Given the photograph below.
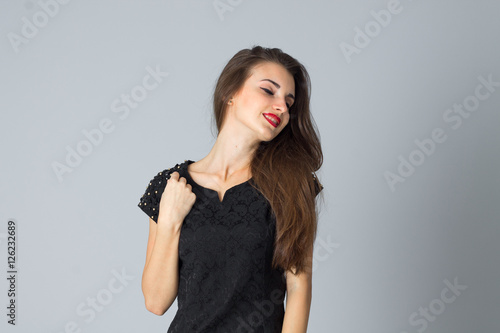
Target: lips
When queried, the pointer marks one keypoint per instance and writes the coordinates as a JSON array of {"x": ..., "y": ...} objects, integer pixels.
[{"x": 272, "y": 119}]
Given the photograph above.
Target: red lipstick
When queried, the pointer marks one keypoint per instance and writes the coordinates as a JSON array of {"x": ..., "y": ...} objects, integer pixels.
[{"x": 272, "y": 119}]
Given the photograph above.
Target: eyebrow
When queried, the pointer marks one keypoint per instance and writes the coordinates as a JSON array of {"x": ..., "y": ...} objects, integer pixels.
[{"x": 278, "y": 86}]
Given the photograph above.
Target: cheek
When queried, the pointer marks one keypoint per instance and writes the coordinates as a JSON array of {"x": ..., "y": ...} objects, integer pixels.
[
  {"x": 286, "y": 119},
  {"x": 248, "y": 95}
]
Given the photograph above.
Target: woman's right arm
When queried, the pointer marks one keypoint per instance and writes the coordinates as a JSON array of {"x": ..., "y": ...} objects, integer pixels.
[{"x": 160, "y": 279}]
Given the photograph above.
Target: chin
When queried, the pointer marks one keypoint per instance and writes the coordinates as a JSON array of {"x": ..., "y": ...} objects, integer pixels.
[
  {"x": 270, "y": 138},
  {"x": 269, "y": 134}
]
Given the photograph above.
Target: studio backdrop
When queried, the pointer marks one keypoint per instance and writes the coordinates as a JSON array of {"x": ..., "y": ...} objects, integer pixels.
[{"x": 98, "y": 96}]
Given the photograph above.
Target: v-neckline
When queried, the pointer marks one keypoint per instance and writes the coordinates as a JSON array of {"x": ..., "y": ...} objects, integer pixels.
[{"x": 224, "y": 195}]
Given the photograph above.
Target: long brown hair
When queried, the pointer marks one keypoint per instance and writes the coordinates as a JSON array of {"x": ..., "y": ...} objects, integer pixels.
[{"x": 292, "y": 157}]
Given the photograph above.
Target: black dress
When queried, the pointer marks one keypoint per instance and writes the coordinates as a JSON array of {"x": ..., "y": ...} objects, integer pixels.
[{"x": 226, "y": 283}]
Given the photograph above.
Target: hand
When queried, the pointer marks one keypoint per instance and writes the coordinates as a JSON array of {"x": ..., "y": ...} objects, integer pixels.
[{"x": 176, "y": 200}]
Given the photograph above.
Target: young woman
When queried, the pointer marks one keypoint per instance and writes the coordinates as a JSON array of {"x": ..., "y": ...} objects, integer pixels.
[{"x": 230, "y": 234}]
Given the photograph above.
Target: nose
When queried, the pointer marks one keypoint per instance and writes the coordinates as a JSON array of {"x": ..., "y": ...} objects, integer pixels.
[{"x": 280, "y": 106}]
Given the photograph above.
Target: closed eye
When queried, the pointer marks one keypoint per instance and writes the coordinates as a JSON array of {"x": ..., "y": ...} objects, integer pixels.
[
  {"x": 267, "y": 91},
  {"x": 271, "y": 93}
]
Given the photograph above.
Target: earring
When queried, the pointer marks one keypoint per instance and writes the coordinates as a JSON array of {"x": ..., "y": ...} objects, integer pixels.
[{"x": 230, "y": 102}]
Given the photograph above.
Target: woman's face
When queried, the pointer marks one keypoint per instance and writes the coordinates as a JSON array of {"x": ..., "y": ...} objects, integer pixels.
[{"x": 263, "y": 102}]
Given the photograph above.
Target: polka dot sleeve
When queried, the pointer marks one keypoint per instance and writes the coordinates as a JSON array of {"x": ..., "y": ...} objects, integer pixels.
[{"x": 149, "y": 202}]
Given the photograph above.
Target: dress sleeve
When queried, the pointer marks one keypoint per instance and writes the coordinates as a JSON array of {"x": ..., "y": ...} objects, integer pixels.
[
  {"x": 317, "y": 185},
  {"x": 149, "y": 203}
]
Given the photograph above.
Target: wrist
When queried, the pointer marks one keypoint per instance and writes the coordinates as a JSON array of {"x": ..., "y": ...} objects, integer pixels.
[{"x": 169, "y": 225}]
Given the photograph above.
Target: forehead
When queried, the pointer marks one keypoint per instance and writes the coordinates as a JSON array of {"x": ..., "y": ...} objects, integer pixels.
[{"x": 275, "y": 72}]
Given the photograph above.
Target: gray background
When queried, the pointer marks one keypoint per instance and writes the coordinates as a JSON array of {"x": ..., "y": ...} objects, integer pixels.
[{"x": 382, "y": 255}]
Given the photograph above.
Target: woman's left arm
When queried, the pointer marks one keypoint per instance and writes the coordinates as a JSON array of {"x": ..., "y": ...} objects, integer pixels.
[{"x": 298, "y": 299}]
